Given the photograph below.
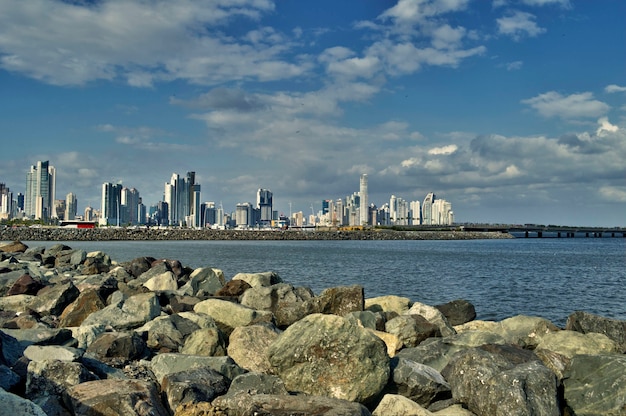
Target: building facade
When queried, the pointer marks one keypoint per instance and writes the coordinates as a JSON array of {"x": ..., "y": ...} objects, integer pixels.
[{"x": 40, "y": 191}]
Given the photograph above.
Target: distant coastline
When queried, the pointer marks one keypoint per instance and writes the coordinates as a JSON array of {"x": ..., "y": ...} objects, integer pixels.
[{"x": 156, "y": 234}]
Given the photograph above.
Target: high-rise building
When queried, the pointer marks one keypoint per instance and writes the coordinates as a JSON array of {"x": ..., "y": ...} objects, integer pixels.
[
  {"x": 415, "y": 213},
  {"x": 6, "y": 202},
  {"x": 244, "y": 215},
  {"x": 129, "y": 210},
  {"x": 442, "y": 212},
  {"x": 111, "y": 204},
  {"x": 40, "y": 191},
  {"x": 264, "y": 205},
  {"x": 183, "y": 198},
  {"x": 363, "y": 203},
  {"x": 427, "y": 217},
  {"x": 71, "y": 207}
]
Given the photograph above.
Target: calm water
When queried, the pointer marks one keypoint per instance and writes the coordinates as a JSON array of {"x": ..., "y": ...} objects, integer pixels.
[{"x": 543, "y": 277}]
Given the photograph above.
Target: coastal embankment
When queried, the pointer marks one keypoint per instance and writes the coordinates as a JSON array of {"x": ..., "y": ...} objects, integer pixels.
[
  {"x": 81, "y": 334},
  {"x": 162, "y": 234}
]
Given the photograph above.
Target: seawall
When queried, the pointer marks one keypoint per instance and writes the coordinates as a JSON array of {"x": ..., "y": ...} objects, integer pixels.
[{"x": 155, "y": 234}]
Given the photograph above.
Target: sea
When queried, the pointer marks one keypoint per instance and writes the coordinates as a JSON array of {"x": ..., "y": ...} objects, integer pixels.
[{"x": 546, "y": 277}]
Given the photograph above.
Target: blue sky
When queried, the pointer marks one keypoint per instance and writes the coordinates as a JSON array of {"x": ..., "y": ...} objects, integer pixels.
[{"x": 513, "y": 110}]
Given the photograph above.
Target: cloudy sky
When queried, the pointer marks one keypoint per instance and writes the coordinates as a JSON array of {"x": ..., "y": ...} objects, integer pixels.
[{"x": 513, "y": 110}]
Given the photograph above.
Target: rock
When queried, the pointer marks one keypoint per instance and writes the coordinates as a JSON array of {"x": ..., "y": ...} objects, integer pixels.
[
  {"x": 418, "y": 382},
  {"x": 411, "y": 330},
  {"x": 52, "y": 352},
  {"x": 116, "y": 397},
  {"x": 17, "y": 303},
  {"x": 167, "y": 333},
  {"x": 229, "y": 315},
  {"x": 13, "y": 404},
  {"x": 585, "y": 323},
  {"x": 8, "y": 378},
  {"x": 278, "y": 299},
  {"x": 244, "y": 404},
  {"x": 51, "y": 300},
  {"x": 40, "y": 335},
  {"x": 96, "y": 262},
  {"x": 138, "y": 266},
  {"x": 458, "y": 311},
  {"x": 10, "y": 349},
  {"x": 571, "y": 343},
  {"x": 204, "y": 281},
  {"x": 205, "y": 341},
  {"x": 53, "y": 378},
  {"x": 489, "y": 384},
  {"x": 525, "y": 331},
  {"x": 178, "y": 303},
  {"x": 596, "y": 384},
  {"x": 258, "y": 279},
  {"x": 248, "y": 345},
  {"x": 86, "y": 334},
  {"x": 396, "y": 405},
  {"x": 233, "y": 288},
  {"x": 118, "y": 348},
  {"x": 162, "y": 282},
  {"x": 368, "y": 319},
  {"x": 192, "y": 386},
  {"x": 432, "y": 315},
  {"x": 257, "y": 383},
  {"x": 14, "y": 247},
  {"x": 25, "y": 285},
  {"x": 390, "y": 303},
  {"x": 327, "y": 355},
  {"x": 554, "y": 361},
  {"x": 454, "y": 410},
  {"x": 169, "y": 363},
  {"x": 127, "y": 313},
  {"x": 393, "y": 343},
  {"x": 86, "y": 303}
]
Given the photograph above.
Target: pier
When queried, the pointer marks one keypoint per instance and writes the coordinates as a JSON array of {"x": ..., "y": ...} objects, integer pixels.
[{"x": 550, "y": 231}]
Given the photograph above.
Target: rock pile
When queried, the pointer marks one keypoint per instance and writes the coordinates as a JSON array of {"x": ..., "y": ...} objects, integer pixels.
[{"x": 83, "y": 335}]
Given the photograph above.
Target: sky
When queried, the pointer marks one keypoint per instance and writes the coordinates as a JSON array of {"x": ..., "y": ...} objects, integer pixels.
[{"x": 512, "y": 110}]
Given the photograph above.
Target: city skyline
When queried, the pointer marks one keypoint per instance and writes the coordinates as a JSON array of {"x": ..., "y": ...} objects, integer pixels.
[{"x": 515, "y": 110}]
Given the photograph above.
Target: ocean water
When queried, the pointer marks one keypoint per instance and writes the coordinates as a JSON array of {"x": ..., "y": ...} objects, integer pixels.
[{"x": 550, "y": 278}]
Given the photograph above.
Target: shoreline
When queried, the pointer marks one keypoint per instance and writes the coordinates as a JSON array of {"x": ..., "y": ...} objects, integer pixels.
[{"x": 155, "y": 234}]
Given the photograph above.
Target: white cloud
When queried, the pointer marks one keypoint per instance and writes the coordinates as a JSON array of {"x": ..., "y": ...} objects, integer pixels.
[
  {"x": 605, "y": 127},
  {"x": 518, "y": 25},
  {"x": 514, "y": 66},
  {"x": 443, "y": 150},
  {"x": 613, "y": 193},
  {"x": 614, "y": 88},
  {"x": 553, "y": 104}
]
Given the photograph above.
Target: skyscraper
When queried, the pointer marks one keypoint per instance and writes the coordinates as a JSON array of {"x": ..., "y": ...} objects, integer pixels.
[
  {"x": 40, "y": 191},
  {"x": 183, "y": 198},
  {"x": 264, "y": 205},
  {"x": 111, "y": 204},
  {"x": 427, "y": 216},
  {"x": 71, "y": 207},
  {"x": 363, "y": 203}
]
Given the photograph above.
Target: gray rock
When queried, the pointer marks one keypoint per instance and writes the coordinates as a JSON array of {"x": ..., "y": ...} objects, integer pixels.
[
  {"x": 490, "y": 384},
  {"x": 392, "y": 404},
  {"x": 596, "y": 384},
  {"x": 118, "y": 348},
  {"x": 194, "y": 385},
  {"x": 52, "y": 300},
  {"x": 418, "y": 382},
  {"x": 247, "y": 346},
  {"x": 53, "y": 378},
  {"x": 585, "y": 323},
  {"x": 164, "y": 364},
  {"x": 41, "y": 335},
  {"x": 368, "y": 319},
  {"x": 86, "y": 334},
  {"x": 162, "y": 282},
  {"x": 432, "y": 315},
  {"x": 229, "y": 315},
  {"x": 278, "y": 298},
  {"x": 8, "y": 378},
  {"x": 458, "y": 311},
  {"x": 13, "y": 404},
  {"x": 390, "y": 303},
  {"x": 87, "y": 302},
  {"x": 328, "y": 355},
  {"x": 257, "y": 383},
  {"x": 168, "y": 332},
  {"x": 52, "y": 352},
  {"x": 127, "y": 313},
  {"x": 203, "y": 281},
  {"x": 116, "y": 397},
  {"x": 258, "y": 279},
  {"x": 244, "y": 404},
  {"x": 205, "y": 341},
  {"x": 411, "y": 330},
  {"x": 571, "y": 343}
]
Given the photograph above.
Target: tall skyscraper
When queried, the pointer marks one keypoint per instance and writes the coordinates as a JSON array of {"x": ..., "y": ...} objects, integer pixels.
[
  {"x": 40, "y": 191},
  {"x": 111, "y": 204},
  {"x": 427, "y": 215},
  {"x": 363, "y": 203},
  {"x": 6, "y": 202},
  {"x": 183, "y": 198},
  {"x": 71, "y": 207},
  {"x": 264, "y": 205}
]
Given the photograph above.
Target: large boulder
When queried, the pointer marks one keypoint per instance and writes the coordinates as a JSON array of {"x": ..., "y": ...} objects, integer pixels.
[
  {"x": 14, "y": 247},
  {"x": 525, "y": 331},
  {"x": 499, "y": 384},
  {"x": 86, "y": 303},
  {"x": 52, "y": 300},
  {"x": 258, "y": 279},
  {"x": 596, "y": 385},
  {"x": 203, "y": 281},
  {"x": 418, "y": 382},
  {"x": 277, "y": 299},
  {"x": 169, "y": 363},
  {"x": 257, "y": 383},
  {"x": 330, "y": 356},
  {"x": 118, "y": 348},
  {"x": 432, "y": 315},
  {"x": 585, "y": 323},
  {"x": 245, "y": 404},
  {"x": 458, "y": 311},
  {"x": 116, "y": 397},
  {"x": 12, "y": 404},
  {"x": 411, "y": 329},
  {"x": 205, "y": 341},
  {"x": 390, "y": 303},
  {"x": 393, "y": 404},
  {"x": 168, "y": 333},
  {"x": 192, "y": 386},
  {"x": 571, "y": 343},
  {"x": 248, "y": 345},
  {"x": 54, "y": 377},
  {"x": 127, "y": 313},
  {"x": 229, "y": 315},
  {"x": 25, "y": 285},
  {"x": 162, "y": 282}
]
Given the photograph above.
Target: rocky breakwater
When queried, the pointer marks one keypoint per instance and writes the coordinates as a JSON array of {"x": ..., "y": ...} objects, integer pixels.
[
  {"x": 160, "y": 234},
  {"x": 83, "y": 335}
]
